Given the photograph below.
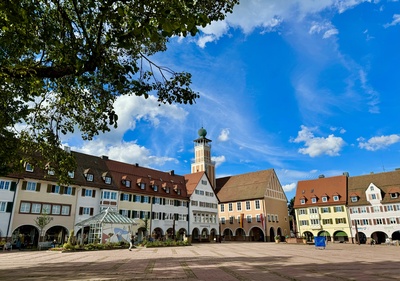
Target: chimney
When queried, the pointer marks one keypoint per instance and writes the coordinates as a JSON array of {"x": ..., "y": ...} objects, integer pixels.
[
  {"x": 321, "y": 176},
  {"x": 104, "y": 157},
  {"x": 172, "y": 173},
  {"x": 67, "y": 149},
  {"x": 137, "y": 165}
]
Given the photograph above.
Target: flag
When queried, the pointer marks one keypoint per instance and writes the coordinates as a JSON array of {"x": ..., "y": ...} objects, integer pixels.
[{"x": 262, "y": 221}]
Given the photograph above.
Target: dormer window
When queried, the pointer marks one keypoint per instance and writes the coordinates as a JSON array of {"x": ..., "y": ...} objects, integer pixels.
[
  {"x": 142, "y": 185},
  {"x": 167, "y": 189},
  {"x": 314, "y": 200},
  {"x": 155, "y": 187},
  {"x": 302, "y": 201},
  {"x": 28, "y": 167},
  {"x": 324, "y": 199},
  {"x": 354, "y": 198},
  {"x": 394, "y": 195},
  {"x": 107, "y": 180},
  {"x": 178, "y": 191},
  {"x": 127, "y": 183},
  {"x": 71, "y": 174},
  {"x": 50, "y": 172},
  {"x": 335, "y": 197},
  {"x": 89, "y": 177}
]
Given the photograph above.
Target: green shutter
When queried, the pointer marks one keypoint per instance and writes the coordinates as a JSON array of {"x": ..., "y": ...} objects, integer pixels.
[
  {"x": 73, "y": 191},
  {"x": 9, "y": 207},
  {"x": 38, "y": 187},
  {"x": 13, "y": 186},
  {"x": 49, "y": 188},
  {"x": 24, "y": 183}
]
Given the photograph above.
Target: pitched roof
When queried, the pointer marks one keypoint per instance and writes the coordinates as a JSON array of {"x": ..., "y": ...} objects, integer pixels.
[
  {"x": 192, "y": 180},
  {"x": 150, "y": 177},
  {"x": 244, "y": 187},
  {"x": 388, "y": 182},
  {"x": 318, "y": 188}
]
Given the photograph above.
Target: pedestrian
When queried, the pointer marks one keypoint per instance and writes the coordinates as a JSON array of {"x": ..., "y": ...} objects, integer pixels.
[{"x": 131, "y": 242}]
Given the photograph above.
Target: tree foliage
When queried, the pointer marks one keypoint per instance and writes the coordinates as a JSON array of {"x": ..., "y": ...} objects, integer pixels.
[{"x": 64, "y": 62}]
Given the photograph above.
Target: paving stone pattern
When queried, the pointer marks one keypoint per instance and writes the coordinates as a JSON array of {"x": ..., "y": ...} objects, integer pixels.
[{"x": 224, "y": 261}]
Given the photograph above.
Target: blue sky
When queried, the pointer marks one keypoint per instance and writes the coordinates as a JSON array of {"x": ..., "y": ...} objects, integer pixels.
[{"x": 304, "y": 87}]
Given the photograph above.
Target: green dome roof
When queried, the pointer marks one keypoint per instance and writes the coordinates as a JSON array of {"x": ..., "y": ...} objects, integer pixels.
[{"x": 202, "y": 132}]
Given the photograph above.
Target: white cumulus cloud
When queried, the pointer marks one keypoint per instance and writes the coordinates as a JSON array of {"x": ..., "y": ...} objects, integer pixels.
[
  {"x": 224, "y": 135},
  {"x": 316, "y": 146},
  {"x": 218, "y": 160},
  {"x": 376, "y": 143}
]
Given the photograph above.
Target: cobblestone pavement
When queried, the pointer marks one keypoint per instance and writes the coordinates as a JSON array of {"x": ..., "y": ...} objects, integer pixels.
[{"x": 225, "y": 261}]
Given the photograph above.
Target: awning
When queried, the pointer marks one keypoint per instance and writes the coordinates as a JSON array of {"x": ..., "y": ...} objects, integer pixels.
[
  {"x": 324, "y": 233},
  {"x": 341, "y": 234},
  {"x": 107, "y": 217}
]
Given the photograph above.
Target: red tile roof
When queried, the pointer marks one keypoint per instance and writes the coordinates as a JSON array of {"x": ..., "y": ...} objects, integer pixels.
[
  {"x": 192, "y": 180},
  {"x": 317, "y": 188}
]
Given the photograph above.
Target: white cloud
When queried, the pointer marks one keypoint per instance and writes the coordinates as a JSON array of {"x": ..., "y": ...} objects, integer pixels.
[
  {"x": 372, "y": 95},
  {"x": 326, "y": 28},
  {"x": 396, "y": 20},
  {"x": 376, "y": 143},
  {"x": 316, "y": 146},
  {"x": 218, "y": 160},
  {"x": 268, "y": 15},
  {"x": 289, "y": 187},
  {"x": 224, "y": 135}
]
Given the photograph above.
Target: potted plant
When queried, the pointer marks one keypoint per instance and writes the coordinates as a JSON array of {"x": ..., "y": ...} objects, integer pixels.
[{"x": 277, "y": 238}]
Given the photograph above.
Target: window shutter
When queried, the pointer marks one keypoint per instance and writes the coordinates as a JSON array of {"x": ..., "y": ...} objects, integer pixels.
[
  {"x": 94, "y": 193},
  {"x": 80, "y": 211},
  {"x": 153, "y": 200},
  {"x": 142, "y": 199},
  {"x": 83, "y": 192},
  {"x": 120, "y": 212},
  {"x": 351, "y": 210},
  {"x": 163, "y": 201},
  {"x": 130, "y": 197},
  {"x": 91, "y": 211},
  {"x": 134, "y": 198},
  {"x": 9, "y": 207},
  {"x": 121, "y": 197},
  {"x": 385, "y": 209},
  {"x": 24, "y": 185},
  {"x": 163, "y": 216},
  {"x": 13, "y": 186},
  {"x": 38, "y": 187},
  {"x": 367, "y": 209},
  {"x": 129, "y": 213},
  {"x": 73, "y": 191},
  {"x": 387, "y": 221},
  {"x": 61, "y": 189},
  {"x": 49, "y": 188}
]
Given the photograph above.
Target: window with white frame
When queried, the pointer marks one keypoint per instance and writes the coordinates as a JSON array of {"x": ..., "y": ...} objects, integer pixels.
[
  {"x": 303, "y": 211},
  {"x": 338, "y": 209},
  {"x": 157, "y": 200},
  {"x": 376, "y": 209},
  {"x": 247, "y": 205},
  {"x": 125, "y": 213},
  {"x": 392, "y": 220},
  {"x": 276, "y": 218},
  {"x": 314, "y": 221},
  {"x": 3, "y": 207},
  {"x": 258, "y": 218},
  {"x": 223, "y": 220},
  {"x": 46, "y": 208},
  {"x": 314, "y": 200},
  {"x": 363, "y": 209},
  {"x": 302, "y": 201},
  {"x": 4, "y": 185},
  {"x": 269, "y": 217},
  {"x": 28, "y": 167},
  {"x": 365, "y": 222},
  {"x": 373, "y": 196},
  {"x": 125, "y": 197},
  {"x": 50, "y": 172},
  {"x": 31, "y": 186},
  {"x": 325, "y": 210},
  {"x": 257, "y": 203},
  {"x": 25, "y": 207},
  {"x": 56, "y": 209},
  {"x": 36, "y": 208},
  {"x": 89, "y": 177},
  {"x": 155, "y": 187},
  {"x": 394, "y": 195},
  {"x": 55, "y": 189},
  {"x": 354, "y": 198},
  {"x": 230, "y": 208},
  {"x": 379, "y": 221},
  {"x": 389, "y": 208},
  {"x": 239, "y": 206},
  {"x": 324, "y": 199},
  {"x": 86, "y": 211},
  {"x": 238, "y": 219},
  {"x": 231, "y": 219},
  {"x": 142, "y": 185},
  {"x": 303, "y": 222},
  {"x": 146, "y": 199},
  {"x": 354, "y": 210},
  {"x": 222, "y": 208},
  {"x": 249, "y": 219},
  {"x": 335, "y": 197},
  {"x": 88, "y": 192},
  {"x": 313, "y": 210},
  {"x": 107, "y": 180},
  {"x": 65, "y": 210},
  {"x": 71, "y": 174}
]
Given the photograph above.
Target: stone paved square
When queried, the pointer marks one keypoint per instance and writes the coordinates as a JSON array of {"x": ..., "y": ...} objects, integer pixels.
[{"x": 222, "y": 261}]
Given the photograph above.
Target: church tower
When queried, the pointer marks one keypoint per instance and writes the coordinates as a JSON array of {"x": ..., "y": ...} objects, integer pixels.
[{"x": 202, "y": 156}]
